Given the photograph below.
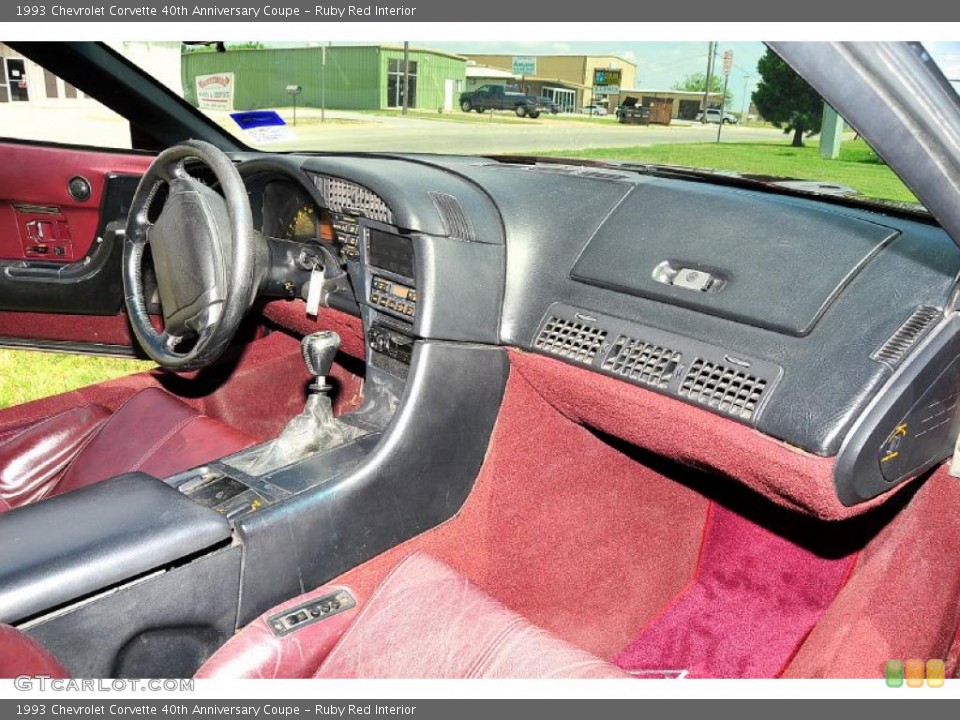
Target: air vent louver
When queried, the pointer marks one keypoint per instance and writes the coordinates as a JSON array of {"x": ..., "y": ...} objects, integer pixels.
[
  {"x": 572, "y": 340},
  {"x": 900, "y": 343},
  {"x": 725, "y": 389},
  {"x": 642, "y": 362},
  {"x": 455, "y": 221}
]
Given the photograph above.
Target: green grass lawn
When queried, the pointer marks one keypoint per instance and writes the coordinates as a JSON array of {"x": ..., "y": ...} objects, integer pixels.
[
  {"x": 27, "y": 375},
  {"x": 857, "y": 166}
]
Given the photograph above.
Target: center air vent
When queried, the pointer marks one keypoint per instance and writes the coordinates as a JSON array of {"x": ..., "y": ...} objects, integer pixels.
[
  {"x": 642, "y": 362},
  {"x": 723, "y": 388},
  {"x": 572, "y": 340}
]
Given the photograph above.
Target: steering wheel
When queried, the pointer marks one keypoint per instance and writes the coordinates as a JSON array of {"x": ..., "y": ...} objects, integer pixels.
[{"x": 207, "y": 258}]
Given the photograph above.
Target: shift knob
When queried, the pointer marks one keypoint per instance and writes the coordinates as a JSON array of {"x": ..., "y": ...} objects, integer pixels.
[{"x": 318, "y": 351}]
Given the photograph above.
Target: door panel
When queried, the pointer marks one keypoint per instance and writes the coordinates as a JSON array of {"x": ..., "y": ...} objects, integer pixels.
[
  {"x": 39, "y": 218},
  {"x": 71, "y": 297}
]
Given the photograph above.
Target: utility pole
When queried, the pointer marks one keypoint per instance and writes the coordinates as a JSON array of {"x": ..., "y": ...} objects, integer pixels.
[
  {"x": 743, "y": 101},
  {"x": 727, "y": 67},
  {"x": 323, "y": 84},
  {"x": 406, "y": 75},
  {"x": 706, "y": 82}
]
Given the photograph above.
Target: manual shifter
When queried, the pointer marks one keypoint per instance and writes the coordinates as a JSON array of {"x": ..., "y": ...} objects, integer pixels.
[
  {"x": 319, "y": 349},
  {"x": 315, "y": 428}
]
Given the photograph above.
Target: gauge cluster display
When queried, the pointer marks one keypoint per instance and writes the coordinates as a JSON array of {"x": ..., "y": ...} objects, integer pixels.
[{"x": 290, "y": 214}]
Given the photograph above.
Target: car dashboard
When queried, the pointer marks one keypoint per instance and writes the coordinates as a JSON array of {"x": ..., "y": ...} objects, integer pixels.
[{"x": 829, "y": 329}]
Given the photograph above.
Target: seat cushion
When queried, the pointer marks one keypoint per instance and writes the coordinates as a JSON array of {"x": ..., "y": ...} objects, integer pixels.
[
  {"x": 34, "y": 457},
  {"x": 152, "y": 432},
  {"x": 423, "y": 621},
  {"x": 20, "y": 654}
]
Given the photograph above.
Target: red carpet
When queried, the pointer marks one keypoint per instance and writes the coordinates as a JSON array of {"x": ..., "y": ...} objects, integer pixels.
[
  {"x": 561, "y": 527},
  {"x": 754, "y": 598}
]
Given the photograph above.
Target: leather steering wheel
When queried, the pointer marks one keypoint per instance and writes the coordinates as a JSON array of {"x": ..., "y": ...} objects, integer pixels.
[{"x": 207, "y": 258}]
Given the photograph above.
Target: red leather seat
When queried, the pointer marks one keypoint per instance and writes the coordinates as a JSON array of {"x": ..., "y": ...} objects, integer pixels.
[
  {"x": 152, "y": 432},
  {"x": 423, "y": 621}
]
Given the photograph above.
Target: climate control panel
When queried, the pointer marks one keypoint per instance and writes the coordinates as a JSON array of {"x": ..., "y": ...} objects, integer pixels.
[{"x": 393, "y": 296}]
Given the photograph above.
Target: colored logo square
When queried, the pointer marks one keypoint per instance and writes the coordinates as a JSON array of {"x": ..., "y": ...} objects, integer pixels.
[
  {"x": 894, "y": 673},
  {"x": 935, "y": 673},
  {"x": 915, "y": 671}
]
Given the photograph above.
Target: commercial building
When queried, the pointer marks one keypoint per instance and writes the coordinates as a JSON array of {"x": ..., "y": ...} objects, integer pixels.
[
  {"x": 368, "y": 77},
  {"x": 22, "y": 80},
  {"x": 567, "y": 79},
  {"x": 682, "y": 104}
]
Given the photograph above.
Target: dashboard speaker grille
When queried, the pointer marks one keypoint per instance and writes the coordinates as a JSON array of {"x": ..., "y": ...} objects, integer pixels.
[
  {"x": 347, "y": 197},
  {"x": 571, "y": 340},
  {"x": 902, "y": 341},
  {"x": 642, "y": 362},
  {"x": 725, "y": 389}
]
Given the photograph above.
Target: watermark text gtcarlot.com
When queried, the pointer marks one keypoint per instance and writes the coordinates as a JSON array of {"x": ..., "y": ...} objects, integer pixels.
[{"x": 44, "y": 684}]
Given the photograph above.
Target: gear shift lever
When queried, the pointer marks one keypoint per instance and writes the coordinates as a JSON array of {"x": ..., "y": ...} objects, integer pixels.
[
  {"x": 319, "y": 349},
  {"x": 315, "y": 428}
]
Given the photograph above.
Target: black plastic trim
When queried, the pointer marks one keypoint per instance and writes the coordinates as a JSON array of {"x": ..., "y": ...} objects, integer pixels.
[{"x": 71, "y": 545}]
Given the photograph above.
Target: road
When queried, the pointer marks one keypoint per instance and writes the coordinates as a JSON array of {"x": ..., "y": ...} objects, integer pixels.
[
  {"x": 376, "y": 133},
  {"x": 86, "y": 123}
]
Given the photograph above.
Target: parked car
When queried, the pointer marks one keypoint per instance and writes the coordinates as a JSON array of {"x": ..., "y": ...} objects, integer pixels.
[
  {"x": 500, "y": 97},
  {"x": 437, "y": 414},
  {"x": 630, "y": 112},
  {"x": 716, "y": 116},
  {"x": 593, "y": 110},
  {"x": 550, "y": 104}
]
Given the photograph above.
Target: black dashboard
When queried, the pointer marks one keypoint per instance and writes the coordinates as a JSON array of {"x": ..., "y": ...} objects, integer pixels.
[{"x": 829, "y": 328}]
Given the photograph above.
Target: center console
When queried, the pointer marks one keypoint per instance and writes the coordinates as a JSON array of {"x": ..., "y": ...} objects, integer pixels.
[{"x": 188, "y": 559}]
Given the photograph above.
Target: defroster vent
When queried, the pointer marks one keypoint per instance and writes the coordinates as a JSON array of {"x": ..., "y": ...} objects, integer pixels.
[
  {"x": 571, "y": 340},
  {"x": 902, "y": 341},
  {"x": 725, "y": 389}
]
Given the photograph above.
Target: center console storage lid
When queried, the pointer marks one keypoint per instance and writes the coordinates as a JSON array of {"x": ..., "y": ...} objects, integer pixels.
[{"x": 78, "y": 543}]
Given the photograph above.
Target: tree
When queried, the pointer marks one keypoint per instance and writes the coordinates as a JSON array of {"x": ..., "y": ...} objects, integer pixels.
[
  {"x": 695, "y": 81},
  {"x": 786, "y": 99}
]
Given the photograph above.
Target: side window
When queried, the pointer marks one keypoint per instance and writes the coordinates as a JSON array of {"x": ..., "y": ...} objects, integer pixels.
[{"x": 37, "y": 105}]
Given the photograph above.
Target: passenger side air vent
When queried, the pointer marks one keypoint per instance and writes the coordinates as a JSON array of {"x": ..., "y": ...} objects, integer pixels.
[
  {"x": 902, "y": 341},
  {"x": 571, "y": 340},
  {"x": 642, "y": 362},
  {"x": 725, "y": 389}
]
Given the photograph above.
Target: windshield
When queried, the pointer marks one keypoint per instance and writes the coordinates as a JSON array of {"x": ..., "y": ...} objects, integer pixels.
[{"x": 637, "y": 102}]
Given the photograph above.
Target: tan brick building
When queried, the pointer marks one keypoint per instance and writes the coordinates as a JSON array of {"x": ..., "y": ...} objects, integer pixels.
[{"x": 567, "y": 78}]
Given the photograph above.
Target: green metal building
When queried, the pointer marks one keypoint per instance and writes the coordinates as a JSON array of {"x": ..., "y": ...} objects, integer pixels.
[{"x": 341, "y": 77}]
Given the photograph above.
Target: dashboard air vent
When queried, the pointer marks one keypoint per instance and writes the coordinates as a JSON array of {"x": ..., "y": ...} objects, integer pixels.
[
  {"x": 572, "y": 340},
  {"x": 642, "y": 362},
  {"x": 344, "y": 196},
  {"x": 725, "y": 389},
  {"x": 455, "y": 221},
  {"x": 899, "y": 344}
]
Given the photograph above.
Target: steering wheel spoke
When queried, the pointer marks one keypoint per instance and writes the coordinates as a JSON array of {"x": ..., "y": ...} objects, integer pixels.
[{"x": 207, "y": 259}]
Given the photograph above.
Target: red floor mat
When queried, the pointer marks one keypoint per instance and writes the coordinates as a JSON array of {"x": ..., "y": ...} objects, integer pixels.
[{"x": 753, "y": 599}]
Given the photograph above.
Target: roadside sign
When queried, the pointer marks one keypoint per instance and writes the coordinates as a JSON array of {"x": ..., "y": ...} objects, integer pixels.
[
  {"x": 215, "y": 92},
  {"x": 727, "y": 61},
  {"x": 607, "y": 77},
  {"x": 524, "y": 65},
  {"x": 606, "y": 89}
]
